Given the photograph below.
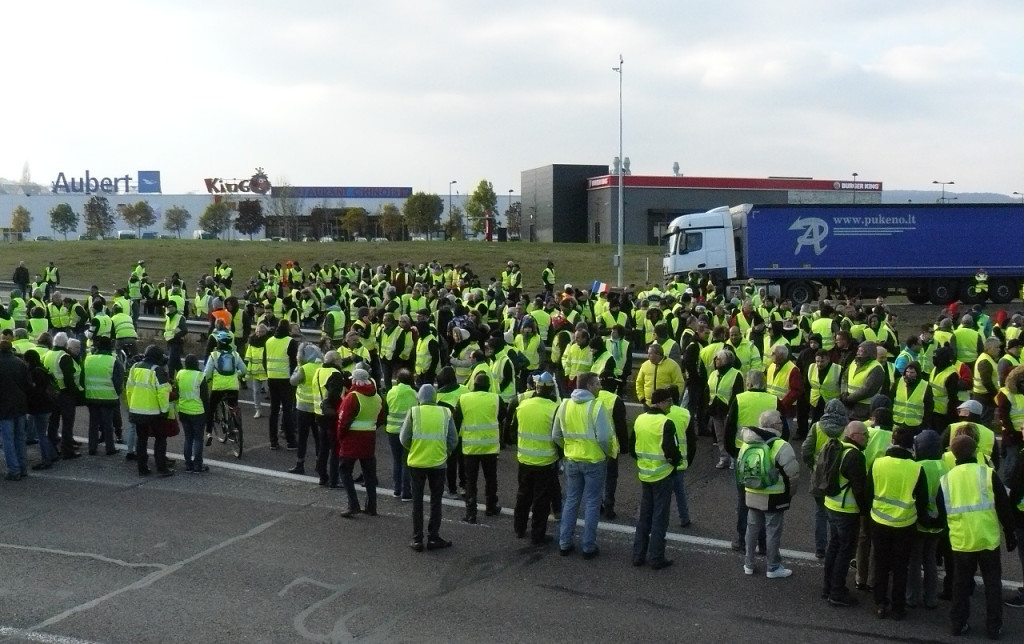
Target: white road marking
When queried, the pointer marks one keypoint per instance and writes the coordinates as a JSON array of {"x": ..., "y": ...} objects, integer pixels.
[
  {"x": 85, "y": 555},
  {"x": 44, "y": 638}
]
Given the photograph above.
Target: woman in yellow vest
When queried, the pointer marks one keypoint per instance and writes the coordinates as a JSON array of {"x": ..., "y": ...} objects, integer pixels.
[
  {"x": 657, "y": 455},
  {"x": 193, "y": 393},
  {"x": 397, "y": 403}
]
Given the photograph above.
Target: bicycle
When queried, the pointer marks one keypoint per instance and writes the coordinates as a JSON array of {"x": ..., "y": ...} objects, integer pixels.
[{"x": 227, "y": 425}]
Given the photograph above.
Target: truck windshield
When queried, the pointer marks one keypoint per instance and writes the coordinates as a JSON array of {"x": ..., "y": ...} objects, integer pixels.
[{"x": 683, "y": 243}]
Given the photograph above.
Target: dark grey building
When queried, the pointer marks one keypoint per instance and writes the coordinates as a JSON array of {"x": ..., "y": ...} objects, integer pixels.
[{"x": 554, "y": 200}]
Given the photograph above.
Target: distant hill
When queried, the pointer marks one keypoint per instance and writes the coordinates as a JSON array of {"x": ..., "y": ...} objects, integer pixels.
[{"x": 933, "y": 196}]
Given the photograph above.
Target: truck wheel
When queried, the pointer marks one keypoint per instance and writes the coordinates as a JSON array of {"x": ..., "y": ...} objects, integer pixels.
[
  {"x": 1002, "y": 291},
  {"x": 917, "y": 295},
  {"x": 942, "y": 293},
  {"x": 801, "y": 293},
  {"x": 970, "y": 295}
]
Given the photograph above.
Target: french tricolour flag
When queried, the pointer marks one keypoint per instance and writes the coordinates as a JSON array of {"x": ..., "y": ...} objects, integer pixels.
[{"x": 598, "y": 287}]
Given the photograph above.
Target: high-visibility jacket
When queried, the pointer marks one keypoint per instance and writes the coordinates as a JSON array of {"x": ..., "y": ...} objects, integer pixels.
[
  {"x": 51, "y": 362},
  {"x": 1016, "y": 409},
  {"x": 171, "y": 326},
  {"x": 479, "y": 429},
  {"x": 970, "y": 508},
  {"x": 823, "y": 327},
  {"x": 707, "y": 355},
  {"x": 320, "y": 378},
  {"x": 124, "y": 328},
  {"x": 680, "y": 417},
  {"x": 749, "y": 356},
  {"x": 823, "y": 389},
  {"x": 428, "y": 447},
  {"x": 577, "y": 360},
  {"x": 879, "y": 440},
  {"x": 304, "y": 396},
  {"x": 778, "y": 379},
  {"x": 534, "y": 417},
  {"x": 189, "y": 383},
  {"x": 99, "y": 374},
  {"x": 366, "y": 418},
  {"x": 856, "y": 374},
  {"x": 844, "y": 501},
  {"x": 451, "y": 398},
  {"x": 908, "y": 406},
  {"x": 482, "y": 367},
  {"x": 894, "y": 480},
  {"x": 144, "y": 394},
  {"x": 579, "y": 438},
  {"x": 277, "y": 357},
  {"x": 966, "y": 344},
  {"x": 978, "y": 386},
  {"x": 37, "y": 326},
  {"x": 721, "y": 385},
  {"x": 608, "y": 400},
  {"x": 774, "y": 447},
  {"x": 933, "y": 471},
  {"x": 400, "y": 398},
  {"x": 60, "y": 317},
  {"x": 651, "y": 464},
  {"x": 424, "y": 358},
  {"x": 986, "y": 438},
  {"x": 529, "y": 348},
  {"x": 223, "y": 381},
  {"x": 749, "y": 407},
  {"x": 937, "y": 381}
]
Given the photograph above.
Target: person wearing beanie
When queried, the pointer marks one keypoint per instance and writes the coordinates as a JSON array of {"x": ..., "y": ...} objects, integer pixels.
[
  {"x": 329, "y": 383},
  {"x": 428, "y": 433},
  {"x": 864, "y": 378},
  {"x": 359, "y": 415},
  {"x": 63, "y": 364},
  {"x": 973, "y": 503},
  {"x": 530, "y": 425},
  {"x": 922, "y": 578},
  {"x": 310, "y": 359},
  {"x": 944, "y": 382},
  {"x": 281, "y": 356},
  {"x": 845, "y": 512},
  {"x": 832, "y": 423}
]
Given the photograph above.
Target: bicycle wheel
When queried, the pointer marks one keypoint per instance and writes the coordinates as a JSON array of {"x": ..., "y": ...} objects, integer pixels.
[
  {"x": 221, "y": 421},
  {"x": 236, "y": 422}
]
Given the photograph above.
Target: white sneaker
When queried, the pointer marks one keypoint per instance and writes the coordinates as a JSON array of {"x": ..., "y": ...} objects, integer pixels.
[
  {"x": 748, "y": 570},
  {"x": 779, "y": 573},
  {"x": 257, "y": 414}
]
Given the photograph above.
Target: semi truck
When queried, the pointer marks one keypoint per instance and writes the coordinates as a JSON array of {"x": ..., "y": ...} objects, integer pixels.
[{"x": 928, "y": 252}]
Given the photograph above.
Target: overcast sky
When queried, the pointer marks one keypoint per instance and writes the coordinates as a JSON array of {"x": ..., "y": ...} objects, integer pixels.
[{"x": 418, "y": 93}]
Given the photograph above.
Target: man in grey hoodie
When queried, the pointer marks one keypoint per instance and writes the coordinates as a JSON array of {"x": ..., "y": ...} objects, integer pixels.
[
  {"x": 766, "y": 507},
  {"x": 831, "y": 425},
  {"x": 582, "y": 429}
]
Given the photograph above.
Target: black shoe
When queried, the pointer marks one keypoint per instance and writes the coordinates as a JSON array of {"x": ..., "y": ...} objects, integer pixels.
[
  {"x": 469, "y": 519},
  {"x": 593, "y": 553},
  {"x": 13, "y": 477},
  {"x": 112, "y": 452},
  {"x": 738, "y": 545},
  {"x": 842, "y": 601},
  {"x": 897, "y": 615},
  {"x": 437, "y": 543},
  {"x": 520, "y": 534},
  {"x": 370, "y": 513},
  {"x": 298, "y": 469},
  {"x": 963, "y": 629},
  {"x": 165, "y": 473},
  {"x": 565, "y": 552},
  {"x": 638, "y": 561},
  {"x": 661, "y": 563},
  {"x": 45, "y": 465},
  {"x": 865, "y": 588},
  {"x": 275, "y": 446},
  {"x": 92, "y": 452},
  {"x": 209, "y": 438},
  {"x": 202, "y": 469},
  {"x": 944, "y": 595},
  {"x": 129, "y": 456},
  {"x": 145, "y": 472},
  {"x": 291, "y": 446},
  {"x": 685, "y": 524},
  {"x": 323, "y": 481},
  {"x": 881, "y": 612},
  {"x": 490, "y": 512},
  {"x": 542, "y": 540},
  {"x": 819, "y": 553},
  {"x": 348, "y": 514},
  {"x": 609, "y": 514},
  {"x": 70, "y": 455},
  {"x": 994, "y": 634},
  {"x": 417, "y": 546}
]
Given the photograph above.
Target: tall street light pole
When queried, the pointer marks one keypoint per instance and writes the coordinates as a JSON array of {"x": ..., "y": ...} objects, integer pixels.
[
  {"x": 618, "y": 256},
  {"x": 1019, "y": 194},
  {"x": 942, "y": 199},
  {"x": 451, "y": 223},
  {"x": 855, "y": 187},
  {"x": 509, "y": 213}
]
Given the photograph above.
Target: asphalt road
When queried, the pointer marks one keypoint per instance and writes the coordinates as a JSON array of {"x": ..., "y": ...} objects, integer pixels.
[{"x": 90, "y": 552}]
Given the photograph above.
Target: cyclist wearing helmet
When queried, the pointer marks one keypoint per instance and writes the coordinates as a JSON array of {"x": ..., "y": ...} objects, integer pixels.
[{"x": 224, "y": 368}]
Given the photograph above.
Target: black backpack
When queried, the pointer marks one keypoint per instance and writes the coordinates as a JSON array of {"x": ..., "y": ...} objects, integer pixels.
[{"x": 825, "y": 479}]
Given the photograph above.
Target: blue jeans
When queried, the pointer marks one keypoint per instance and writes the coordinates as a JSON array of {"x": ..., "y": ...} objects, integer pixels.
[
  {"x": 652, "y": 522},
  {"x": 399, "y": 471},
  {"x": 101, "y": 423},
  {"x": 584, "y": 485},
  {"x": 193, "y": 426},
  {"x": 842, "y": 545},
  {"x": 40, "y": 423},
  {"x": 15, "y": 452},
  {"x": 679, "y": 489}
]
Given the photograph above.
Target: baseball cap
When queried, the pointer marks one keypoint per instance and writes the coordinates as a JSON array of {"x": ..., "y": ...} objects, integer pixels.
[{"x": 972, "y": 406}]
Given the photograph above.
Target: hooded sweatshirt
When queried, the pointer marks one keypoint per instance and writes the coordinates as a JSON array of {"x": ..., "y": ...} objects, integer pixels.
[
  {"x": 602, "y": 430},
  {"x": 831, "y": 425}
]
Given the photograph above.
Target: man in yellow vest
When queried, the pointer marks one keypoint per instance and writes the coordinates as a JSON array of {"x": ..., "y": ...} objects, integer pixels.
[
  {"x": 724, "y": 384},
  {"x": 359, "y": 415},
  {"x": 844, "y": 510},
  {"x": 1010, "y": 412},
  {"x": 657, "y": 454},
  {"x": 986, "y": 379},
  {"x": 428, "y": 433},
  {"x": 923, "y": 588},
  {"x": 193, "y": 394},
  {"x": 912, "y": 399},
  {"x": 329, "y": 383},
  {"x": 147, "y": 396},
  {"x": 280, "y": 354},
  {"x": 103, "y": 380},
  {"x": 583, "y": 431},
  {"x": 864, "y": 378},
  {"x": 175, "y": 332},
  {"x": 63, "y": 364},
  {"x": 478, "y": 415},
  {"x": 899, "y": 492},
  {"x": 397, "y": 403},
  {"x": 538, "y": 459},
  {"x": 973, "y": 503},
  {"x": 1010, "y": 359},
  {"x": 303, "y": 379}
]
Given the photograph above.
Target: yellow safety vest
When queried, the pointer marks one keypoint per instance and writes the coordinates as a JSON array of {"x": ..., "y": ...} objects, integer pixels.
[
  {"x": 979, "y": 384},
  {"x": 320, "y": 378},
  {"x": 908, "y": 407},
  {"x": 99, "y": 371},
  {"x": 276, "y": 351},
  {"x": 933, "y": 471},
  {"x": 749, "y": 407},
  {"x": 479, "y": 429},
  {"x": 534, "y": 445},
  {"x": 429, "y": 445},
  {"x": 827, "y": 389},
  {"x": 894, "y": 480},
  {"x": 844, "y": 501},
  {"x": 530, "y": 349},
  {"x": 171, "y": 326},
  {"x": 680, "y": 417},
  {"x": 823, "y": 327},
  {"x": 937, "y": 381},
  {"x": 579, "y": 441},
  {"x": 1016, "y": 409},
  {"x": 423, "y": 355},
  {"x": 144, "y": 394},
  {"x": 970, "y": 508},
  {"x": 189, "y": 383},
  {"x": 369, "y": 409},
  {"x": 304, "y": 393},
  {"x": 401, "y": 398},
  {"x": 778, "y": 379},
  {"x": 721, "y": 386},
  {"x": 651, "y": 464},
  {"x": 966, "y": 344}
]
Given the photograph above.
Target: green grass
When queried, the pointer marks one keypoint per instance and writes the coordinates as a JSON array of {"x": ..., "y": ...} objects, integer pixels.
[{"x": 109, "y": 263}]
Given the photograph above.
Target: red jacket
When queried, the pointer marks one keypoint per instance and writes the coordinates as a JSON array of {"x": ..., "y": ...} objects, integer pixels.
[{"x": 352, "y": 444}]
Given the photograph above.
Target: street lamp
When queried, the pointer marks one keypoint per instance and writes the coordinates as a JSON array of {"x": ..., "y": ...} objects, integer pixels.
[
  {"x": 1019, "y": 194},
  {"x": 450, "y": 220},
  {"x": 509, "y": 213},
  {"x": 942, "y": 199},
  {"x": 618, "y": 256},
  {"x": 854, "y": 187}
]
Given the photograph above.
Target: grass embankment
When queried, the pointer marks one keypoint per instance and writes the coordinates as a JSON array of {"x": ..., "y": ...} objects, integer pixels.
[{"x": 109, "y": 263}]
